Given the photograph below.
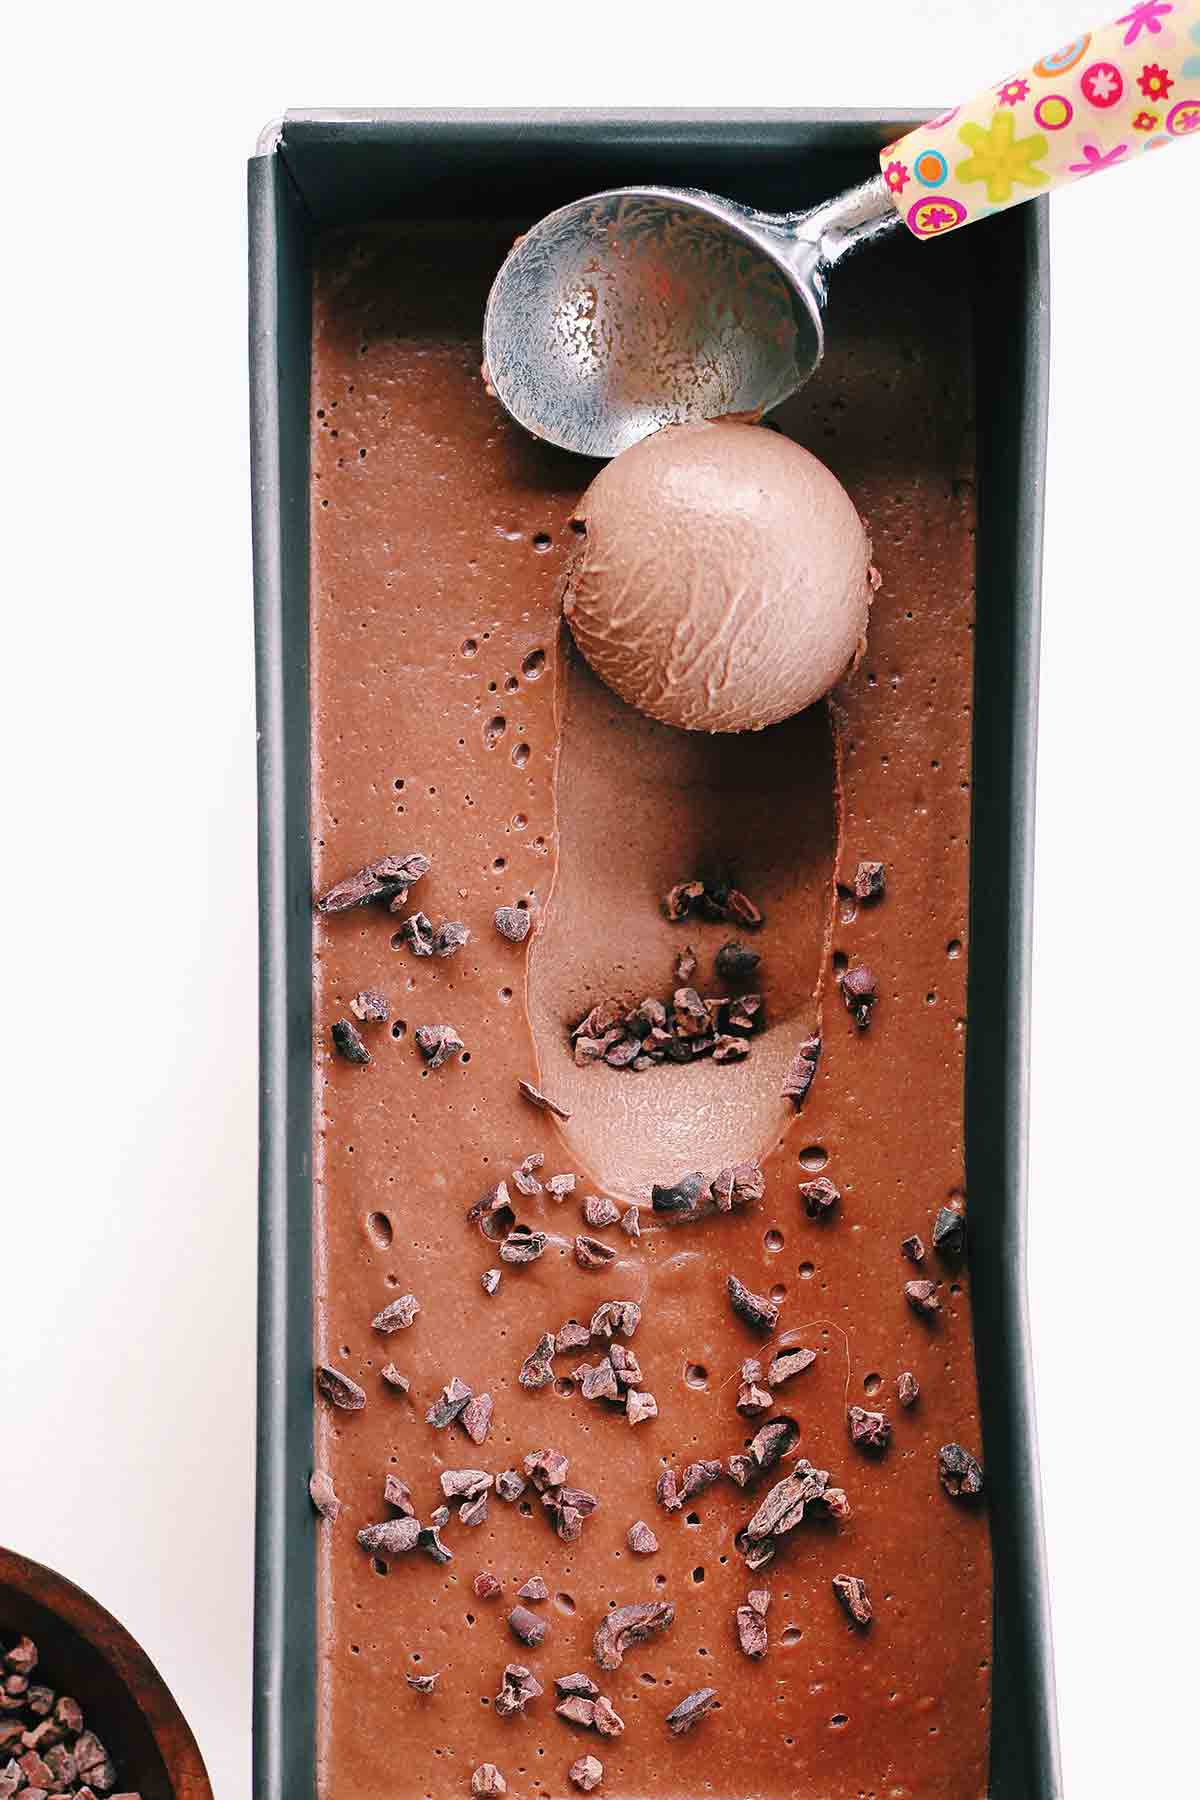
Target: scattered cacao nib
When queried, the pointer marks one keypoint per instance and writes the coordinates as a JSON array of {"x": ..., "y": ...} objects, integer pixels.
[
  {"x": 598, "y": 1212},
  {"x": 788, "y": 1363},
  {"x": 449, "y": 1404},
  {"x": 819, "y": 1197},
  {"x": 626, "y": 1366},
  {"x": 685, "y": 966},
  {"x": 751, "y": 1623},
  {"x": 606, "y": 1718},
  {"x": 836, "y": 1502},
  {"x": 536, "y": 1098},
  {"x": 625, "y": 1626},
  {"x": 742, "y": 910},
  {"x": 752, "y": 1400},
  {"x": 691, "y": 1709},
  {"x": 640, "y": 1539},
  {"x": 859, "y": 992},
  {"x": 22, "y": 1659},
  {"x": 742, "y": 1184},
  {"x": 320, "y": 1491},
  {"x": 907, "y": 1388},
  {"x": 736, "y": 962},
  {"x": 397, "y": 1493},
  {"x": 533, "y": 1589},
  {"x": 339, "y": 1389},
  {"x": 348, "y": 1041},
  {"x": 590, "y": 1253},
  {"x": 437, "y": 1043},
  {"x": 587, "y": 1050},
  {"x": 950, "y": 1232},
  {"x": 758, "y": 1555},
  {"x": 568, "y": 1508},
  {"x": 559, "y": 1186},
  {"x": 525, "y": 1177},
  {"x": 522, "y": 1245},
  {"x": 450, "y": 937},
  {"x": 546, "y": 1469},
  {"x": 783, "y": 1508},
  {"x": 473, "y": 1512},
  {"x": 510, "y": 1485},
  {"x": 392, "y": 1537},
  {"x": 439, "y": 1518},
  {"x": 489, "y": 1281},
  {"x": 869, "y": 1430},
  {"x": 587, "y": 1772},
  {"x": 959, "y": 1472},
  {"x": 485, "y": 1585},
  {"x": 417, "y": 933},
  {"x": 730, "y": 1049},
  {"x": 383, "y": 879},
  {"x": 800, "y": 1072},
  {"x": 698, "y": 1476},
  {"x": 572, "y": 1336},
  {"x": 756, "y": 1310},
  {"x": 579, "y": 1683},
  {"x": 597, "y": 1382},
  {"x": 602, "y": 1018},
  {"x": 370, "y": 1006},
  {"x": 518, "y": 1686},
  {"x": 913, "y": 1249},
  {"x": 679, "y": 1197},
  {"x": 614, "y": 1316},
  {"x": 666, "y": 1492},
  {"x": 631, "y": 1222},
  {"x": 537, "y": 1371},
  {"x": 512, "y": 922},
  {"x": 527, "y": 1626},
  {"x": 423, "y": 1684},
  {"x": 691, "y": 1014},
  {"x": 922, "y": 1297},
  {"x": 640, "y": 1406},
  {"x": 493, "y": 1213},
  {"x": 751, "y": 1369},
  {"x": 488, "y": 1781},
  {"x": 395, "y": 1379},
  {"x": 851, "y": 1590},
  {"x": 745, "y": 1015},
  {"x": 773, "y": 1441},
  {"x": 869, "y": 880},
  {"x": 622, "y": 1053},
  {"x": 398, "y": 1315},
  {"x": 476, "y": 1418},
  {"x": 681, "y": 898},
  {"x": 431, "y": 1543},
  {"x": 578, "y": 1710}
]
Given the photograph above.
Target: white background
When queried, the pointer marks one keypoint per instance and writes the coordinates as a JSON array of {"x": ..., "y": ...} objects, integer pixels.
[{"x": 127, "y": 1227}]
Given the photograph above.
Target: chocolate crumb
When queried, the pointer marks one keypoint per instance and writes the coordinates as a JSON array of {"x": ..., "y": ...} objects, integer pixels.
[
  {"x": 489, "y": 1281},
  {"x": 691, "y": 1710},
  {"x": 860, "y": 993},
  {"x": 437, "y": 1043},
  {"x": 476, "y": 1418},
  {"x": 756, "y": 1309},
  {"x": 392, "y": 1537},
  {"x": 639, "y": 1407},
  {"x": 735, "y": 961},
  {"x": 869, "y": 1430},
  {"x": 423, "y": 1684},
  {"x": 510, "y": 1485},
  {"x": 590, "y": 1253},
  {"x": 922, "y": 1297},
  {"x": 907, "y": 1388},
  {"x": 398, "y": 1315},
  {"x": 383, "y": 879},
  {"x": 339, "y": 1389},
  {"x": 587, "y": 1773},
  {"x": 449, "y": 937},
  {"x": 788, "y": 1363},
  {"x": 599, "y": 1212},
  {"x": 488, "y": 1781},
  {"x": 449, "y": 1404},
  {"x": 959, "y": 1472},
  {"x": 395, "y": 1379},
  {"x": 537, "y": 1370},
  {"x": 913, "y": 1249},
  {"x": 527, "y": 1627},
  {"x": 485, "y": 1585},
  {"x": 370, "y": 1006},
  {"x": 681, "y": 1197},
  {"x": 348, "y": 1042},
  {"x": 800, "y": 1072},
  {"x": 417, "y": 933},
  {"x": 851, "y": 1590},
  {"x": 631, "y": 1222},
  {"x": 625, "y": 1626},
  {"x": 949, "y": 1232},
  {"x": 540, "y": 1100},
  {"x": 522, "y": 1245},
  {"x": 819, "y": 1197},
  {"x": 685, "y": 965},
  {"x": 320, "y": 1489},
  {"x": 640, "y": 1539},
  {"x": 579, "y": 1683},
  {"x": 869, "y": 881},
  {"x": 559, "y": 1186}
]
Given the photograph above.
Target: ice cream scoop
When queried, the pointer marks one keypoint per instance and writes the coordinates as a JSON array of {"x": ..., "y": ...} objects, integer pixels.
[
  {"x": 723, "y": 577},
  {"x": 644, "y": 306}
]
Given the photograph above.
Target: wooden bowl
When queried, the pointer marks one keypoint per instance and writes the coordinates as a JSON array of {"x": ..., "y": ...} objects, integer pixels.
[{"x": 83, "y": 1651}]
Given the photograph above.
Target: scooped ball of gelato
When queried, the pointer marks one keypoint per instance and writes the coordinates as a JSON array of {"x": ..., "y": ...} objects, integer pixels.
[{"x": 724, "y": 578}]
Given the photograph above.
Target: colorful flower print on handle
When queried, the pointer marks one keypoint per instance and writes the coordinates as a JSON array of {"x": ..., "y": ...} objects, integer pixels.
[{"x": 1096, "y": 103}]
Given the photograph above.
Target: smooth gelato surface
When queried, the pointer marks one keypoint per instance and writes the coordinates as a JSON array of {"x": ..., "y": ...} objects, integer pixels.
[{"x": 724, "y": 578}]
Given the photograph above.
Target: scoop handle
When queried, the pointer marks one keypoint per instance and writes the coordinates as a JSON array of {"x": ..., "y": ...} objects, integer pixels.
[{"x": 1096, "y": 103}]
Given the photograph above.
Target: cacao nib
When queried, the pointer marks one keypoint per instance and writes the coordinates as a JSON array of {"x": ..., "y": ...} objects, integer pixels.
[
  {"x": 489, "y": 1281},
  {"x": 730, "y": 1049},
  {"x": 398, "y": 1315},
  {"x": 320, "y": 1489},
  {"x": 578, "y": 1709},
  {"x": 745, "y": 1015},
  {"x": 681, "y": 898},
  {"x": 681, "y": 1197},
  {"x": 542, "y": 1101},
  {"x": 869, "y": 1430},
  {"x": 756, "y": 1310},
  {"x": 533, "y": 1589},
  {"x": 606, "y": 1718},
  {"x": 590, "y": 1253},
  {"x": 579, "y": 1683},
  {"x": 773, "y": 1441},
  {"x": 698, "y": 1476},
  {"x": 907, "y": 1388},
  {"x": 615, "y": 1316},
  {"x": 572, "y": 1336},
  {"x": 370, "y": 1006},
  {"x": 417, "y": 933},
  {"x": 742, "y": 1184},
  {"x": 836, "y": 1503},
  {"x": 587, "y": 1772},
  {"x": 599, "y": 1212},
  {"x": 537, "y": 1370},
  {"x": 487, "y": 1781},
  {"x": 666, "y": 1493},
  {"x": 640, "y": 1539},
  {"x": 631, "y": 1222},
  {"x": 546, "y": 1469},
  {"x": 431, "y": 1542},
  {"x": 510, "y": 1485},
  {"x": 819, "y": 1197},
  {"x": 922, "y": 1297},
  {"x": 788, "y": 1363},
  {"x": 392, "y": 1537},
  {"x": 348, "y": 1041},
  {"x": 340, "y": 1390},
  {"x": 397, "y": 1493},
  {"x": 625, "y": 1626},
  {"x": 851, "y": 1590},
  {"x": 626, "y": 1366},
  {"x": 524, "y": 1176},
  {"x": 949, "y": 1232},
  {"x": 437, "y": 1043},
  {"x": 476, "y": 1418},
  {"x": 522, "y": 1245},
  {"x": 512, "y": 922},
  {"x": 752, "y": 1400},
  {"x": 423, "y": 1684},
  {"x": 736, "y": 962},
  {"x": 450, "y": 937},
  {"x": 752, "y": 1629},
  {"x": 485, "y": 1585},
  {"x": 685, "y": 966},
  {"x": 518, "y": 1687},
  {"x": 395, "y": 1379},
  {"x": 493, "y": 1213},
  {"x": 691, "y": 1014},
  {"x": 913, "y": 1249},
  {"x": 869, "y": 881},
  {"x": 691, "y": 1709},
  {"x": 598, "y": 1382},
  {"x": 640, "y": 1407},
  {"x": 449, "y": 1404},
  {"x": 800, "y": 1072},
  {"x": 959, "y": 1472},
  {"x": 559, "y": 1186},
  {"x": 742, "y": 910},
  {"x": 860, "y": 993},
  {"x": 383, "y": 879},
  {"x": 527, "y": 1627}
]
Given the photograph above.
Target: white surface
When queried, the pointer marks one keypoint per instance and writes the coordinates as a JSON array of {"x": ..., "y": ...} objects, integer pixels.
[{"x": 127, "y": 1247}]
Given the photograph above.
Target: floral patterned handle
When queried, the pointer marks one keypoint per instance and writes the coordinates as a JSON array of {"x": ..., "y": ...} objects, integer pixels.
[{"x": 1131, "y": 86}]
